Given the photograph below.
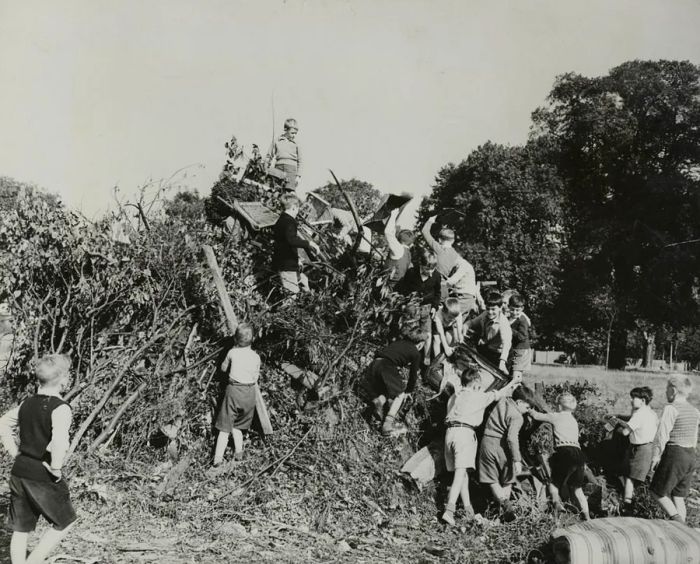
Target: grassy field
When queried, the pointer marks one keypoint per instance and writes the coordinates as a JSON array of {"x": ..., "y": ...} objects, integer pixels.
[{"x": 614, "y": 384}]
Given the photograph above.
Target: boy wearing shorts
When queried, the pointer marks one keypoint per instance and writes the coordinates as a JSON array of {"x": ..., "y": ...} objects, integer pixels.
[
  {"x": 519, "y": 360},
  {"x": 499, "y": 453},
  {"x": 674, "y": 448},
  {"x": 465, "y": 412},
  {"x": 384, "y": 384},
  {"x": 238, "y": 406},
  {"x": 447, "y": 327},
  {"x": 567, "y": 462},
  {"x": 37, "y": 487}
]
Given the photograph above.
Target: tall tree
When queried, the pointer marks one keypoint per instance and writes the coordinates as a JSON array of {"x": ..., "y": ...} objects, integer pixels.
[{"x": 365, "y": 196}]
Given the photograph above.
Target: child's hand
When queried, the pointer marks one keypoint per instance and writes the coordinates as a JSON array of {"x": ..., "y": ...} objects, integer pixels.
[
  {"x": 502, "y": 366},
  {"x": 517, "y": 468},
  {"x": 449, "y": 350},
  {"x": 55, "y": 472},
  {"x": 655, "y": 462},
  {"x": 432, "y": 219}
]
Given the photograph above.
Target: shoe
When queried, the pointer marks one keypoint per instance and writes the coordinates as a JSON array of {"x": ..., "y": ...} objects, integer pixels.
[
  {"x": 678, "y": 518},
  {"x": 469, "y": 513},
  {"x": 391, "y": 429},
  {"x": 449, "y": 518},
  {"x": 558, "y": 508},
  {"x": 585, "y": 517},
  {"x": 238, "y": 456}
]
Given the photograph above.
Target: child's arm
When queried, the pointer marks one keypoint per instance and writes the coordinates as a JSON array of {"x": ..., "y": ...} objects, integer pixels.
[
  {"x": 512, "y": 437},
  {"x": 60, "y": 441},
  {"x": 461, "y": 270},
  {"x": 396, "y": 249},
  {"x": 432, "y": 243},
  {"x": 666, "y": 423},
  {"x": 225, "y": 364},
  {"x": 460, "y": 328},
  {"x": 507, "y": 341},
  {"x": 545, "y": 417},
  {"x": 8, "y": 425},
  {"x": 441, "y": 333}
]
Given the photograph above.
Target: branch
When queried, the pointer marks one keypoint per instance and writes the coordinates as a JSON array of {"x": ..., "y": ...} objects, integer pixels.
[
  {"x": 117, "y": 416},
  {"x": 355, "y": 215}
]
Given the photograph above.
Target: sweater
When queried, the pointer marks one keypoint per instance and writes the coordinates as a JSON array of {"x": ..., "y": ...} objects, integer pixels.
[
  {"x": 285, "y": 257},
  {"x": 505, "y": 421},
  {"x": 286, "y": 152},
  {"x": 678, "y": 426},
  {"x": 428, "y": 290},
  {"x": 520, "y": 327}
]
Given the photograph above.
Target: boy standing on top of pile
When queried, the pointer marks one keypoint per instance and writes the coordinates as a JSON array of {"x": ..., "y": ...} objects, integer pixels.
[
  {"x": 674, "y": 448},
  {"x": 285, "y": 257},
  {"x": 238, "y": 406},
  {"x": 36, "y": 484},
  {"x": 520, "y": 357},
  {"x": 456, "y": 272},
  {"x": 287, "y": 155},
  {"x": 491, "y": 332}
]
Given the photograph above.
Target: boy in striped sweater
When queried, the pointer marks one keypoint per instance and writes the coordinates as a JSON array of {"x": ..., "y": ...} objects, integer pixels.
[{"x": 674, "y": 446}]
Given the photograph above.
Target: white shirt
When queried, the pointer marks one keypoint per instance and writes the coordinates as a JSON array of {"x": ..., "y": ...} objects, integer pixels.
[
  {"x": 643, "y": 425},
  {"x": 243, "y": 365}
]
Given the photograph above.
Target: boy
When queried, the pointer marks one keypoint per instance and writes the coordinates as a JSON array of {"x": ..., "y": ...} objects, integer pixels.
[
  {"x": 398, "y": 259},
  {"x": 465, "y": 412},
  {"x": 36, "y": 484},
  {"x": 287, "y": 155},
  {"x": 567, "y": 462},
  {"x": 499, "y": 453},
  {"x": 519, "y": 360},
  {"x": 491, "y": 332},
  {"x": 447, "y": 327},
  {"x": 285, "y": 257},
  {"x": 458, "y": 275},
  {"x": 238, "y": 406},
  {"x": 674, "y": 448},
  {"x": 384, "y": 383},
  {"x": 423, "y": 283}
]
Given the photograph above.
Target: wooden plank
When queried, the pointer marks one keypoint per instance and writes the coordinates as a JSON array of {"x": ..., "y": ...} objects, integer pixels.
[
  {"x": 232, "y": 321},
  {"x": 377, "y": 222}
]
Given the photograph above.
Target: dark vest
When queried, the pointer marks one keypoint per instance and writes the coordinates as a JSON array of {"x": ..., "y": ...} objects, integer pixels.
[{"x": 35, "y": 430}]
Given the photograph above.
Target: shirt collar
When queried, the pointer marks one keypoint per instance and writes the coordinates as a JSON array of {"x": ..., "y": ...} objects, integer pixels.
[{"x": 48, "y": 392}]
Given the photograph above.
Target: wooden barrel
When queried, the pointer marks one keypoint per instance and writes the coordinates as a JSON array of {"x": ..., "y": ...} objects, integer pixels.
[{"x": 627, "y": 540}]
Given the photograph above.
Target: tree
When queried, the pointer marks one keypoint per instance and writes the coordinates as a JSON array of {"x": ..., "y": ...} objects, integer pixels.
[
  {"x": 366, "y": 197},
  {"x": 628, "y": 149},
  {"x": 511, "y": 198}
]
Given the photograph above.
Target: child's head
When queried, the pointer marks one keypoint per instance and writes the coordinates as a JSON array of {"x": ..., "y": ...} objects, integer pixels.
[
  {"x": 524, "y": 398},
  {"x": 446, "y": 237},
  {"x": 641, "y": 396},
  {"x": 291, "y": 203},
  {"x": 53, "y": 371},
  {"x": 416, "y": 336},
  {"x": 451, "y": 307},
  {"x": 426, "y": 262},
  {"x": 516, "y": 304},
  {"x": 566, "y": 402},
  {"x": 290, "y": 128},
  {"x": 470, "y": 377},
  {"x": 678, "y": 385},
  {"x": 406, "y": 237},
  {"x": 461, "y": 359},
  {"x": 244, "y": 335},
  {"x": 493, "y": 304}
]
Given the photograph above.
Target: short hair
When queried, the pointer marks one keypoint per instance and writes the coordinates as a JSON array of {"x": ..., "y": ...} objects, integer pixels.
[
  {"x": 415, "y": 335},
  {"x": 452, "y": 307},
  {"x": 523, "y": 393},
  {"x": 493, "y": 298},
  {"x": 682, "y": 384},
  {"x": 244, "y": 335},
  {"x": 290, "y": 123},
  {"x": 406, "y": 237},
  {"x": 446, "y": 234},
  {"x": 643, "y": 393},
  {"x": 470, "y": 375},
  {"x": 426, "y": 258},
  {"x": 516, "y": 300},
  {"x": 52, "y": 367},
  {"x": 289, "y": 200},
  {"x": 567, "y": 401},
  {"x": 461, "y": 358}
]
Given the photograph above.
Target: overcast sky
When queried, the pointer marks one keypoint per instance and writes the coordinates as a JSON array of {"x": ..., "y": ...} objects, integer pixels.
[{"x": 96, "y": 94}]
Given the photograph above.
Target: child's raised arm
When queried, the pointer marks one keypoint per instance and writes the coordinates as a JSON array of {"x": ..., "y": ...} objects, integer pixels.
[
  {"x": 395, "y": 248},
  {"x": 8, "y": 425},
  {"x": 537, "y": 416}
]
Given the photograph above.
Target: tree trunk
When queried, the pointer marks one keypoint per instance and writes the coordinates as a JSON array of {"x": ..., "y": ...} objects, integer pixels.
[
  {"x": 618, "y": 348},
  {"x": 649, "y": 350}
]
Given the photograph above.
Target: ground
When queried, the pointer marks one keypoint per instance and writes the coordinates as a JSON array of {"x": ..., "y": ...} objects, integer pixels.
[{"x": 338, "y": 499}]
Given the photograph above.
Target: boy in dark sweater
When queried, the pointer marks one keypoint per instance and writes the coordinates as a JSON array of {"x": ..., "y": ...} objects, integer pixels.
[
  {"x": 384, "y": 383},
  {"x": 36, "y": 484},
  {"x": 520, "y": 358},
  {"x": 285, "y": 257}
]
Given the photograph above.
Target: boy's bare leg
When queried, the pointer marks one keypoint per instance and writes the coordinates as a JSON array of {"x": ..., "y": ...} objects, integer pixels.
[
  {"x": 455, "y": 491},
  {"x": 237, "y": 435},
  {"x": 436, "y": 345},
  {"x": 629, "y": 490},
  {"x": 679, "y": 502},
  {"x": 396, "y": 404},
  {"x": 48, "y": 541},
  {"x": 667, "y": 505},
  {"x": 18, "y": 548},
  {"x": 583, "y": 502},
  {"x": 556, "y": 498},
  {"x": 220, "y": 449},
  {"x": 464, "y": 495},
  {"x": 426, "y": 350}
]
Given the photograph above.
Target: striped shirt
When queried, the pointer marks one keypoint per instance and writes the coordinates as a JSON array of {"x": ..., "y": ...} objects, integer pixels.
[{"x": 678, "y": 426}]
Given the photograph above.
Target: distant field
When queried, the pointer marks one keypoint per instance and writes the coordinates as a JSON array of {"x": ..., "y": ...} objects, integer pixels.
[{"x": 614, "y": 384}]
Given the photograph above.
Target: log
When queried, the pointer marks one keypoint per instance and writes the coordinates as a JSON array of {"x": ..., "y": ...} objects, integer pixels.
[
  {"x": 305, "y": 377},
  {"x": 232, "y": 321}
]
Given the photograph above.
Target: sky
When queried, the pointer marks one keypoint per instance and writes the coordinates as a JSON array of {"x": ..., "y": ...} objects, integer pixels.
[{"x": 98, "y": 94}]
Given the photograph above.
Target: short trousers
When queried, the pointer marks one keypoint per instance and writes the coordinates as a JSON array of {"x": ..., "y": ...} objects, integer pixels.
[
  {"x": 237, "y": 408},
  {"x": 30, "y": 499},
  {"x": 638, "y": 462},
  {"x": 494, "y": 466},
  {"x": 567, "y": 465},
  {"x": 520, "y": 360},
  {"x": 674, "y": 473},
  {"x": 293, "y": 281},
  {"x": 467, "y": 304},
  {"x": 290, "y": 171},
  {"x": 383, "y": 378},
  {"x": 460, "y": 448}
]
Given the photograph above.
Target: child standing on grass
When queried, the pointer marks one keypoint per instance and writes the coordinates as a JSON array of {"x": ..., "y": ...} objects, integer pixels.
[
  {"x": 641, "y": 429},
  {"x": 567, "y": 463},
  {"x": 674, "y": 448},
  {"x": 238, "y": 406},
  {"x": 519, "y": 360},
  {"x": 465, "y": 412},
  {"x": 447, "y": 327},
  {"x": 36, "y": 484}
]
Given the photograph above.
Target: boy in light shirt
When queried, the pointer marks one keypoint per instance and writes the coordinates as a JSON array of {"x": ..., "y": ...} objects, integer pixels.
[
  {"x": 641, "y": 429},
  {"x": 447, "y": 327}
]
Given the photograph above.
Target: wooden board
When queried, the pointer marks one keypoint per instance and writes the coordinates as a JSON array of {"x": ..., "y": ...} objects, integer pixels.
[
  {"x": 319, "y": 210},
  {"x": 377, "y": 222},
  {"x": 256, "y": 214}
]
